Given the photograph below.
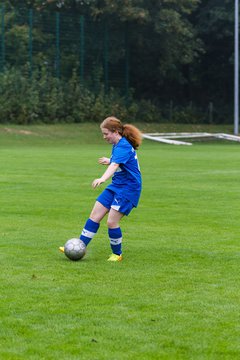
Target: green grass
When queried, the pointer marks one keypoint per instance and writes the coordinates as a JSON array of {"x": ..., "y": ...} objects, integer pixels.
[{"x": 175, "y": 295}]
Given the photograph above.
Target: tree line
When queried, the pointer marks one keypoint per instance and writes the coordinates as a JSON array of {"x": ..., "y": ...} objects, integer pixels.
[{"x": 181, "y": 55}]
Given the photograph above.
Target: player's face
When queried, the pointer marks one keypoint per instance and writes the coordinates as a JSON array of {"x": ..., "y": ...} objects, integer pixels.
[{"x": 109, "y": 136}]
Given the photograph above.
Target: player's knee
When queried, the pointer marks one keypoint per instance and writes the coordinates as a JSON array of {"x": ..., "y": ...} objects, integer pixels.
[
  {"x": 112, "y": 224},
  {"x": 93, "y": 215},
  {"x": 96, "y": 216}
]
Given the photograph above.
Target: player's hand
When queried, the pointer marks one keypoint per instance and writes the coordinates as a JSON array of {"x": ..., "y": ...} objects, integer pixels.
[
  {"x": 97, "y": 182},
  {"x": 104, "y": 161}
]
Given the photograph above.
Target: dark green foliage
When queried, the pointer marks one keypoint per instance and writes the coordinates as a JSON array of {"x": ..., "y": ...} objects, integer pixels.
[
  {"x": 180, "y": 51},
  {"x": 46, "y": 98}
]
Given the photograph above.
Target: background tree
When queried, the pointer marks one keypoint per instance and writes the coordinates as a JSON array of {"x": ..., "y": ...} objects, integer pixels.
[
  {"x": 178, "y": 51},
  {"x": 212, "y": 75}
]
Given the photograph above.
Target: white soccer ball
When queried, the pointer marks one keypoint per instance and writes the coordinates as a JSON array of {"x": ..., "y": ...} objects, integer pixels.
[{"x": 75, "y": 249}]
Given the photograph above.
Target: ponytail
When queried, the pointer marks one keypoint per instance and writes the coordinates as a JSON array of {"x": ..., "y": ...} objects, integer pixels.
[
  {"x": 130, "y": 132},
  {"x": 133, "y": 135}
]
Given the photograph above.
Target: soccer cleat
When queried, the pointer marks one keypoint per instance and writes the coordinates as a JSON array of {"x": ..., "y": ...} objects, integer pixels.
[
  {"x": 61, "y": 249},
  {"x": 115, "y": 257}
]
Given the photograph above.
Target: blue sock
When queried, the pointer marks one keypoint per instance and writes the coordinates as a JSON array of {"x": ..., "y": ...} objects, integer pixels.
[
  {"x": 88, "y": 232},
  {"x": 115, "y": 236}
]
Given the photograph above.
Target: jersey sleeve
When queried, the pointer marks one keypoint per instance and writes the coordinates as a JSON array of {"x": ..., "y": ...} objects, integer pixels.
[{"x": 121, "y": 154}]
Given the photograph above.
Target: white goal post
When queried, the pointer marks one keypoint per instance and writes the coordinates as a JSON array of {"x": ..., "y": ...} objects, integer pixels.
[{"x": 173, "y": 137}]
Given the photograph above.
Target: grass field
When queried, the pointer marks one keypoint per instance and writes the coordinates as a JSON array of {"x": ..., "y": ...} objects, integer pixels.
[{"x": 175, "y": 295}]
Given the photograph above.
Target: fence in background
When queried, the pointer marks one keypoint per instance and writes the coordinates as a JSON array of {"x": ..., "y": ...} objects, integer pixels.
[{"x": 63, "y": 43}]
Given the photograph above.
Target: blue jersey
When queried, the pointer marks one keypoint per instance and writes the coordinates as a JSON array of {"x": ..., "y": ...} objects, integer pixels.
[{"x": 127, "y": 180}]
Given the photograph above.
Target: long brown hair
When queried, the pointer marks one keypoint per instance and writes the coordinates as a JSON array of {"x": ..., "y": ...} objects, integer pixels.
[{"x": 130, "y": 132}]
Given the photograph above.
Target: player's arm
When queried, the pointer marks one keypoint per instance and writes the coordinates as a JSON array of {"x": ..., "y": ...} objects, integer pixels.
[
  {"x": 104, "y": 161},
  {"x": 108, "y": 173}
]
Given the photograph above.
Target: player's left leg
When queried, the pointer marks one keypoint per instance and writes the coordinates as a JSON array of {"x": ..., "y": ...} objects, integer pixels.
[
  {"x": 114, "y": 217},
  {"x": 115, "y": 234},
  {"x": 119, "y": 207}
]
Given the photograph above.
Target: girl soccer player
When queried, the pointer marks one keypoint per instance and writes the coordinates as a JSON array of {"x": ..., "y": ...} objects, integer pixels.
[{"x": 122, "y": 195}]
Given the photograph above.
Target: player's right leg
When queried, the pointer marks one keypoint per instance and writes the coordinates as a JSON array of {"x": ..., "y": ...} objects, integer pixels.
[
  {"x": 98, "y": 212},
  {"x": 92, "y": 224}
]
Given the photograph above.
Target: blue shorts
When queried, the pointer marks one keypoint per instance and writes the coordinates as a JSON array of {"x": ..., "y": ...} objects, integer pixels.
[{"x": 110, "y": 199}]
